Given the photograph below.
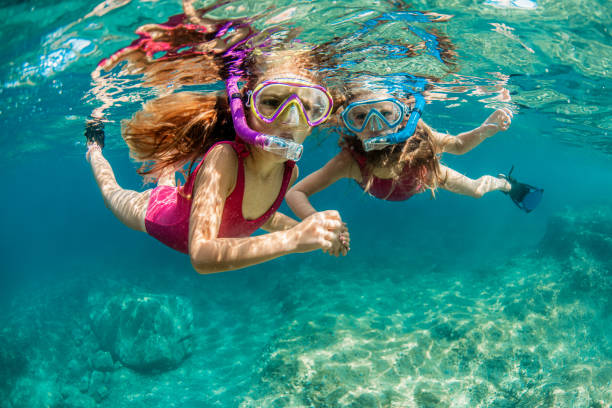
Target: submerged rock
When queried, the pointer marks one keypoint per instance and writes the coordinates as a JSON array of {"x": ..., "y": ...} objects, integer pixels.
[
  {"x": 494, "y": 369},
  {"x": 144, "y": 332},
  {"x": 582, "y": 240},
  {"x": 589, "y": 229},
  {"x": 102, "y": 361},
  {"x": 29, "y": 393}
]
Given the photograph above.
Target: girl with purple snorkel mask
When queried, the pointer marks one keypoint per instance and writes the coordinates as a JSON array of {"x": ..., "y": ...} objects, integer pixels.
[{"x": 247, "y": 143}]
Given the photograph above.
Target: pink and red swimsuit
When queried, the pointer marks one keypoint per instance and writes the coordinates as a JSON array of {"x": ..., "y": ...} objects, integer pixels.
[
  {"x": 408, "y": 184},
  {"x": 167, "y": 217}
]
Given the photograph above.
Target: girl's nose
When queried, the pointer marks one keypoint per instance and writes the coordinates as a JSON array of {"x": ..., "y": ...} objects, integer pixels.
[
  {"x": 375, "y": 124},
  {"x": 291, "y": 116}
]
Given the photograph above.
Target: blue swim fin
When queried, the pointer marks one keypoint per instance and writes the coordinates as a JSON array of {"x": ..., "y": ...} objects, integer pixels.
[{"x": 525, "y": 197}]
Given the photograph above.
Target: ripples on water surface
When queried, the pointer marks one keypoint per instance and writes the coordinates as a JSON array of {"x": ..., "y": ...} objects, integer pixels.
[
  {"x": 450, "y": 302},
  {"x": 557, "y": 55}
]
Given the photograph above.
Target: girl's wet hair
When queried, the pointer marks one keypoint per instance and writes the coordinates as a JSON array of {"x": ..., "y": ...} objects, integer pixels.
[
  {"x": 418, "y": 152},
  {"x": 177, "y": 129}
]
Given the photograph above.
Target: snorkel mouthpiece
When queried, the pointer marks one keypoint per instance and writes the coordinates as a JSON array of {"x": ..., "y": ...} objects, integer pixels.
[
  {"x": 282, "y": 147},
  {"x": 377, "y": 143}
]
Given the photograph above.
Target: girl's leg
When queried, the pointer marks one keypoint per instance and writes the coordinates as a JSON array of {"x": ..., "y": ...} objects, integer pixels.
[
  {"x": 460, "y": 184},
  {"x": 128, "y": 206}
]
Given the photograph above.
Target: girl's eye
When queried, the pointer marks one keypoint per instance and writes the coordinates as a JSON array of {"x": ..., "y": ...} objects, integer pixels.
[
  {"x": 270, "y": 102},
  {"x": 360, "y": 116},
  {"x": 387, "y": 113},
  {"x": 317, "y": 110}
]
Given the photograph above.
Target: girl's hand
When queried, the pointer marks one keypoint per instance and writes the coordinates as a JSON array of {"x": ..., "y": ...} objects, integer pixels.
[
  {"x": 318, "y": 231},
  {"x": 94, "y": 132},
  {"x": 342, "y": 244},
  {"x": 498, "y": 121}
]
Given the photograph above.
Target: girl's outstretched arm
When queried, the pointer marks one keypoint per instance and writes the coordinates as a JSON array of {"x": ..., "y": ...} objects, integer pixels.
[
  {"x": 338, "y": 167},
  {"x": 460, "y": 184},
  {"x": 210, "y": 254},
  {"x": 498, "y": 121}
]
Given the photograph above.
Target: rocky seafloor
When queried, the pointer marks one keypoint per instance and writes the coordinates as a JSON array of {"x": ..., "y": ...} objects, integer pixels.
[{"x": 531, "y": 331}]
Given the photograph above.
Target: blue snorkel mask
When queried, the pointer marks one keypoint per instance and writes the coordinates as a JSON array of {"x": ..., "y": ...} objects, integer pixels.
[{"x": 378, "y": 114}]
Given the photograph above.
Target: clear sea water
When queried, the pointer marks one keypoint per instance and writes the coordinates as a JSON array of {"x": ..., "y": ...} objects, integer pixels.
[{"x": 446, "y": 302}]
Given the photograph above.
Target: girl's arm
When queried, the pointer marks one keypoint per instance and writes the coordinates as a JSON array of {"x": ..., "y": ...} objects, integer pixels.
[
  {"x": 210, "y": 254},
  {"x": 340, "y": 166},
  {"x": 464, "y": 142},
  {"x": 460, "y": 184}
]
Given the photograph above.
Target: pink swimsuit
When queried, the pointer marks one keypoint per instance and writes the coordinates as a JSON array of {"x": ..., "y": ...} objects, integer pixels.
[
  {"x": 167, "y": 217},
  {"x": 402, "y": 189}
]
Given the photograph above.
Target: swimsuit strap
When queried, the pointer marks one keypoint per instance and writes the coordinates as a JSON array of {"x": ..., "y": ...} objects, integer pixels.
[
  {"x": 241, "y": 151},
  {"x": 234, "y": 200}
]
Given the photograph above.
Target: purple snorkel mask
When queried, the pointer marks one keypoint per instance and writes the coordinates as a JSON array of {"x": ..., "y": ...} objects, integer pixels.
[
  {"x": 282, "y": 147},
  {"x": 274, "y": 144},
  {"x": 313, "y": 114}
]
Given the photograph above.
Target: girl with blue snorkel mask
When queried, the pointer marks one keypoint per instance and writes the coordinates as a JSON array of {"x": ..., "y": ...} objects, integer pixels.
[
  {"x": 246, "y": 146},
  {"x": 392, "y": 154}
]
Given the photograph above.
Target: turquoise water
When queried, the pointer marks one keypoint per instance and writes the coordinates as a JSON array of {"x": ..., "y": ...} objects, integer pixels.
[{"x": 452, "y": 302}]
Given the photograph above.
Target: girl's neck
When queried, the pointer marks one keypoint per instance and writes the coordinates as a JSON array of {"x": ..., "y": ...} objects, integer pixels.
[{"x": 263, "y": 163}]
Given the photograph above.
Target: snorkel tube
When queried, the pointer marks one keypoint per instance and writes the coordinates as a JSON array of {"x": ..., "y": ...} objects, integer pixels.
[
  {"x": 277, "y": 145},
  {"x": 380, "y": 142}
]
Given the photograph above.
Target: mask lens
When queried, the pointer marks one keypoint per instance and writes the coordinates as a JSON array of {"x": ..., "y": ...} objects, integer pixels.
[
  {"x": 356, "y": 116},
  {"x": 390, "y": 111},
  {"x": 270, "y": 98},
  {"x": 315, "y": 102}
]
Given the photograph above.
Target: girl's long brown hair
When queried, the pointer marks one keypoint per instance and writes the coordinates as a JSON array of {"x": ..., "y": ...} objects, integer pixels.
[
  {"x": 177, "y": 129},
  {"x": 419, "y": 152}
]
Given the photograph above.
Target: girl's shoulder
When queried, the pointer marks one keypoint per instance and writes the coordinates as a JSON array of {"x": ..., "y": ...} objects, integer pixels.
[
  {"x": 346, "y": 155},
  {"x": 352, "y": 157},
  {"x": 222, "y": 154},
  {"x": 347, "y": 164},
  {"x": 219, "y": 163}
]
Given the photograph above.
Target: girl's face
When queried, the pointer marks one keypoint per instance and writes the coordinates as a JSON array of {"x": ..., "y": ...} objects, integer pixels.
[
  {"x": 283, "y": 103},
  {"x": 360, "y": 116}
]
